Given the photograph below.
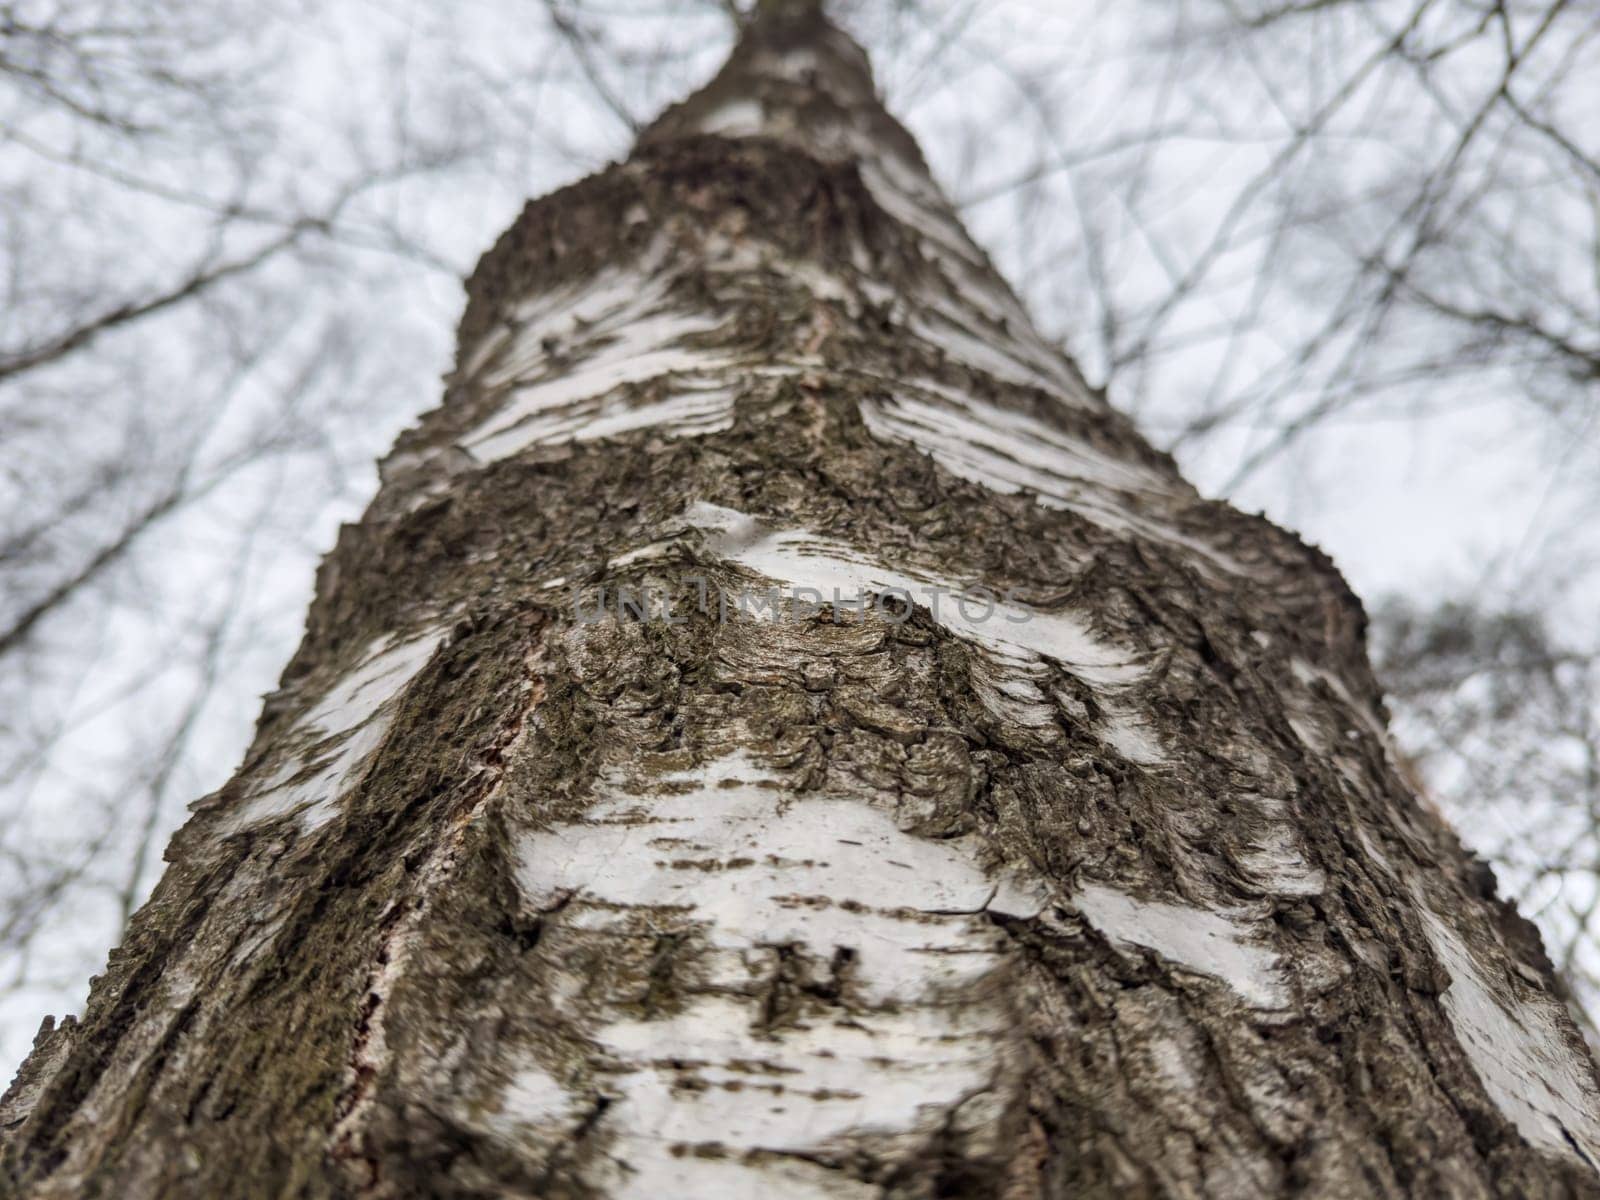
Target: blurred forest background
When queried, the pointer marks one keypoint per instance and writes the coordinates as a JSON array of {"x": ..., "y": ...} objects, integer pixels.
[{"x": 1342, "y": 257}]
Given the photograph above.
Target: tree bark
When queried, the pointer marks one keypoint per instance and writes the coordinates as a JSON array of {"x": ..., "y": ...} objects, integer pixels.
[{"x": 778, "y": 732}]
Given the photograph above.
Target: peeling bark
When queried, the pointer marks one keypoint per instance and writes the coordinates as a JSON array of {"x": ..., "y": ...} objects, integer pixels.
[{"x": 1036, "y": 835}]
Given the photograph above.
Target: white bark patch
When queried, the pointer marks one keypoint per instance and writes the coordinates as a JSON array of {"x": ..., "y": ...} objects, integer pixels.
[
  {"x": 567, "y": 406},
  {"x": 1004, "y": 450},
  {"x": 800, "y": 558},
  {"x": 532, "y": 1098},
  {"x": 795, "y": 66},
  {"x": 567, "y": 351},
  {"x": 1522, "y": 1056},
  {"x": 806, "y": 859},
  {"x": 1203, "y": 940},
  {"x": 1276, "y": 862},
  {"x": 753, "y": 869},
  {"x": 344, "y": 728},
  {"x": 560, "y": 313},
  {"x": 1009, "y": 685},
  {"x": 1338, "y": 733},
  {"x": 1009, "y": 348},
  {"x": 737, "y": 118},
  {"x": 699, "y": 406},
  {"x": 1001, "y": 358},
  {"x": 1009, "y": 452},
  {"x": 600, "y": 303},
  {"x": 1130, "y": 735},
  {"x": 908, "y": 193},
  {"x": 821, "y": 283},
  {"x": 1364, "y": 715}
]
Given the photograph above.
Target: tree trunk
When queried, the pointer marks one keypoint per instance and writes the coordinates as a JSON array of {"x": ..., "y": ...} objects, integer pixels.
[{"x": 777, "y": 732}]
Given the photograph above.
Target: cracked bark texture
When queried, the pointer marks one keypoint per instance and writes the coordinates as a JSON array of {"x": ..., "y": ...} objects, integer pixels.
[{"x": 1111, "y": 890}]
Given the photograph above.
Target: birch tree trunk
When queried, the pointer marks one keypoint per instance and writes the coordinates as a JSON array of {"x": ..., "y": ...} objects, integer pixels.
[{"x": 777, "y": 732}]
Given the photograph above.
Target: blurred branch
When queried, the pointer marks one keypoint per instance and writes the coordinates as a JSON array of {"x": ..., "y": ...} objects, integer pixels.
[{"x": 582, "y": 45}]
